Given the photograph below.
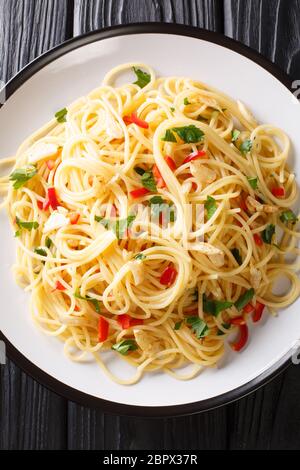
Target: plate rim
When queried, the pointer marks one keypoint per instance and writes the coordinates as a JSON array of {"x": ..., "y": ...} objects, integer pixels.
[{"x": 23, "y": 362}]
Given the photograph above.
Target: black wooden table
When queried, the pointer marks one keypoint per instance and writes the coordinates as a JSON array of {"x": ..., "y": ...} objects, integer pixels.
[{"x": 31, "y": 417}]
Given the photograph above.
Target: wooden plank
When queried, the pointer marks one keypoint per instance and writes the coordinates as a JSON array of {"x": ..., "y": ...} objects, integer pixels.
[
  {"x": 271, "y": 28},
  {"x": 31, "y": 417},
  {"x": 268, "y": 418},
  {"x": 91, "y": 428},
  {"x": 94, "y": 14}
]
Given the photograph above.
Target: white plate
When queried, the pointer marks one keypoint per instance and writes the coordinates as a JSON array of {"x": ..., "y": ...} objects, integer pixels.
[{"x": 55, "y": 80}]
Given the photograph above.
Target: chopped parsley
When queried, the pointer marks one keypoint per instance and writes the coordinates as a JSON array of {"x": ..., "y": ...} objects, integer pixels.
[
  {"x": 199, "y": 327},
  {"x": 125, "y": 346},
  {"x": 169, "y": 136},
  {"x": 214, "y": 307},
  {"x": 189, "y": 134},
  {"x": 235, "y": 135},
  {"x": 61, "y": 115},
  {"x": 253, "y": 182},
  {"x": 140, "y": 256},
  {"x": 40, "y": 251},
  {"x": 186, "y": 101},
  {"x": 244, "y": 299},
  {"x": 21, "y": 175},
  {"x": 178, "y": 325},
  {"x": 140, "y": 171},
  {"x": 25, "y": 225},
  {"x": 143, "y": 78},
  {"x": 288, "y": 216},
  {"x": 48, "y": 242},
  {"x": 226, "y": 326},
  {"x": 236, "y": 254},
  {"x": 246, "y": 146},
  {"x": 210, "y": 206},
  {"x": 268, "y": 233},
  {"x": 94, "y": 302},
  {"x": 148, "y": 181}
]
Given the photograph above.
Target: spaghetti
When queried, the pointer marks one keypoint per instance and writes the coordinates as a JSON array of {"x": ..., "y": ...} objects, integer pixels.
[{"x": 103, "y": 198}]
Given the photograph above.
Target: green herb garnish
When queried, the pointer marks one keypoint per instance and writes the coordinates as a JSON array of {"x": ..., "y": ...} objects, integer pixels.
[
  {"x": 95, "y": 302},
  {"x": 189, "y": 134},
  {"x": 140, "y": 256},
  {"x": 226, "y": 326},
  {"x": 124, "y": 346},
  {"x": 244, "y": 299},
  {"x": 118, "y": 226},
  {"x": 210, "y": 206},
  {"x": 40, "y": 251},
  {"x": 236, "y": 254},
  {"x": 268, "y": 233},
  {"x": 172, "y": 109},
  {"x": 186, "y": 101},
  {"x": 148, "y": 181},
  {"x": 246, "y": 146},
  {"x": 169, "y": 136},
  {"x": 253, "y": 182},
  {"x": 199, "y": 327},
  {"x": 235, "y": 135},
  {"x": 21, "y": 175},
  {"x": 61, "y": 115},
  {"x": 143, "y": 78},
  {"x": 26, "y": 225},
  {"x": 178, "y": 325},
  {"x": 214, "y": 307},
  {"x": 48, "y": 242},
  {"x": 140, "y": 171},
  {"x": 288, "y": 216}
]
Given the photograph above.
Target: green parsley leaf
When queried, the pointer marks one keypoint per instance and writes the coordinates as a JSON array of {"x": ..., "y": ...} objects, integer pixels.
[
  {"x": 189, "y": 134},
  {"x": 235, "y": 135},
  {"x": 226, "y": 326},
  {"x": 178, "y": 325},
  {"x": 288, "y": 216},
  {"x": 26, "y": 225},
  {"x": 143, "y": 78},
  {"x": 40, "y": 251},
  {"x": 214, "y": 307},
  {"x": 199, "y": 327},
  {"x": 186, "y": 101},
  {"x": 202, "y": 118},
  {"x": 210, "y": 206},
  {"x": 21, "y": 175},
  {"x": 172, "y": 109},
  {"x": 253, "y": 182},
  {"x": 124, "y": 346},
  {"x": 236, "y": 254},
  {"x": 140, "y": 256},
  {"x": 148, "y": 181},
  {"x": 61, "y": 115},
  {"x": 244, "y": 299},
  {"x": 169, "y": 136},
  {"x": 48, "y": 242},
  {"x": 156, "y": 200},
  {"x": 140, "y": 171},
  {"x": 268, "y": 233},
  {"x": 246, "y": 146},
  {"x": 94, "y": 302}
]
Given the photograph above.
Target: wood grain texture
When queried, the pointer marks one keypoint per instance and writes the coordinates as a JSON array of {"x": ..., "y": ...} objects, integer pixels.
[
  {"x": 95, "y": 14},
  {"x": 272, "y": 28},
  {"x": 31, "y": 417}
]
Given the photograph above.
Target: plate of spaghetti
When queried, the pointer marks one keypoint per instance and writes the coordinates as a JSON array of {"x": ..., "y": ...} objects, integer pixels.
[{"x": 149, "y": 256}]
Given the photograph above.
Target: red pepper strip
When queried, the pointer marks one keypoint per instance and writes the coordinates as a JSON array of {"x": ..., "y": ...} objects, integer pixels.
[
  {"x": 40, "y": 205},
  {"x": 133, "y": 119},
  {"x": 103, "y": 326},
  {"x": 170, "y": 162},
  {"x": 76, "y": 308},
  {"x": 52, "y": 198},
  {"x": 238, "y": 321},
  {"x": 257, "y": 314},
  {"x": 194, "y": 156},
  {"x": 126, "y": 321},
  {"x": 58, "y": 286},
  {"x": 50, "y": 164},
  {"x": 46, "y": 204},
  {"x": 278, "y": 192},
  {"x": 160, "y": 182},
  {"x": 74, "y": 218},
  {"x": 139, "y": 192},
  {"x": 248, "y": 308},
  {"x": 168, "y": 276},
  {"x": 257, "y": 239},
  {"x": 240, "y": 343}
]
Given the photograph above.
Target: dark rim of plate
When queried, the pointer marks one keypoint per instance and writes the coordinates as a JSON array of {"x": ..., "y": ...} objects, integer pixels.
[{"x": 12, "y": 352}]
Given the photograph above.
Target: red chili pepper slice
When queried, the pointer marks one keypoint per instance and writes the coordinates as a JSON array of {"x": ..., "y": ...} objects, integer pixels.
[
  {"x": 136, "y": 193},
  {"x": 257, "y": 314},
  {"x": 258, "y": 239},
  {"x": 40, "y": 205},
  {"x": 238, "y": 321},
  {"x": 103, "y": 327},
  {"x": 168, "y": 276},
  {"x": 278, "y": 192},
  {"x": 50, "y": 164},
  {"x": 126, "y": 321},
  {"x": 194, "y": 156},
  {"x": 74, "y": 218},
  {"x": 160, "y": 182},
  {"x": 59, "y": 286},
  {"x": 134, "y": 119},
  {"x": 53, "y": 201},
  {"x": 170, "y": 162},
  {"x": 240, "y": 343},
  {"x": 248, "y": 308}
]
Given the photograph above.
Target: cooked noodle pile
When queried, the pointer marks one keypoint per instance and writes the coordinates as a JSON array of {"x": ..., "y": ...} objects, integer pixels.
[{"x": 153, "y": 219}]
